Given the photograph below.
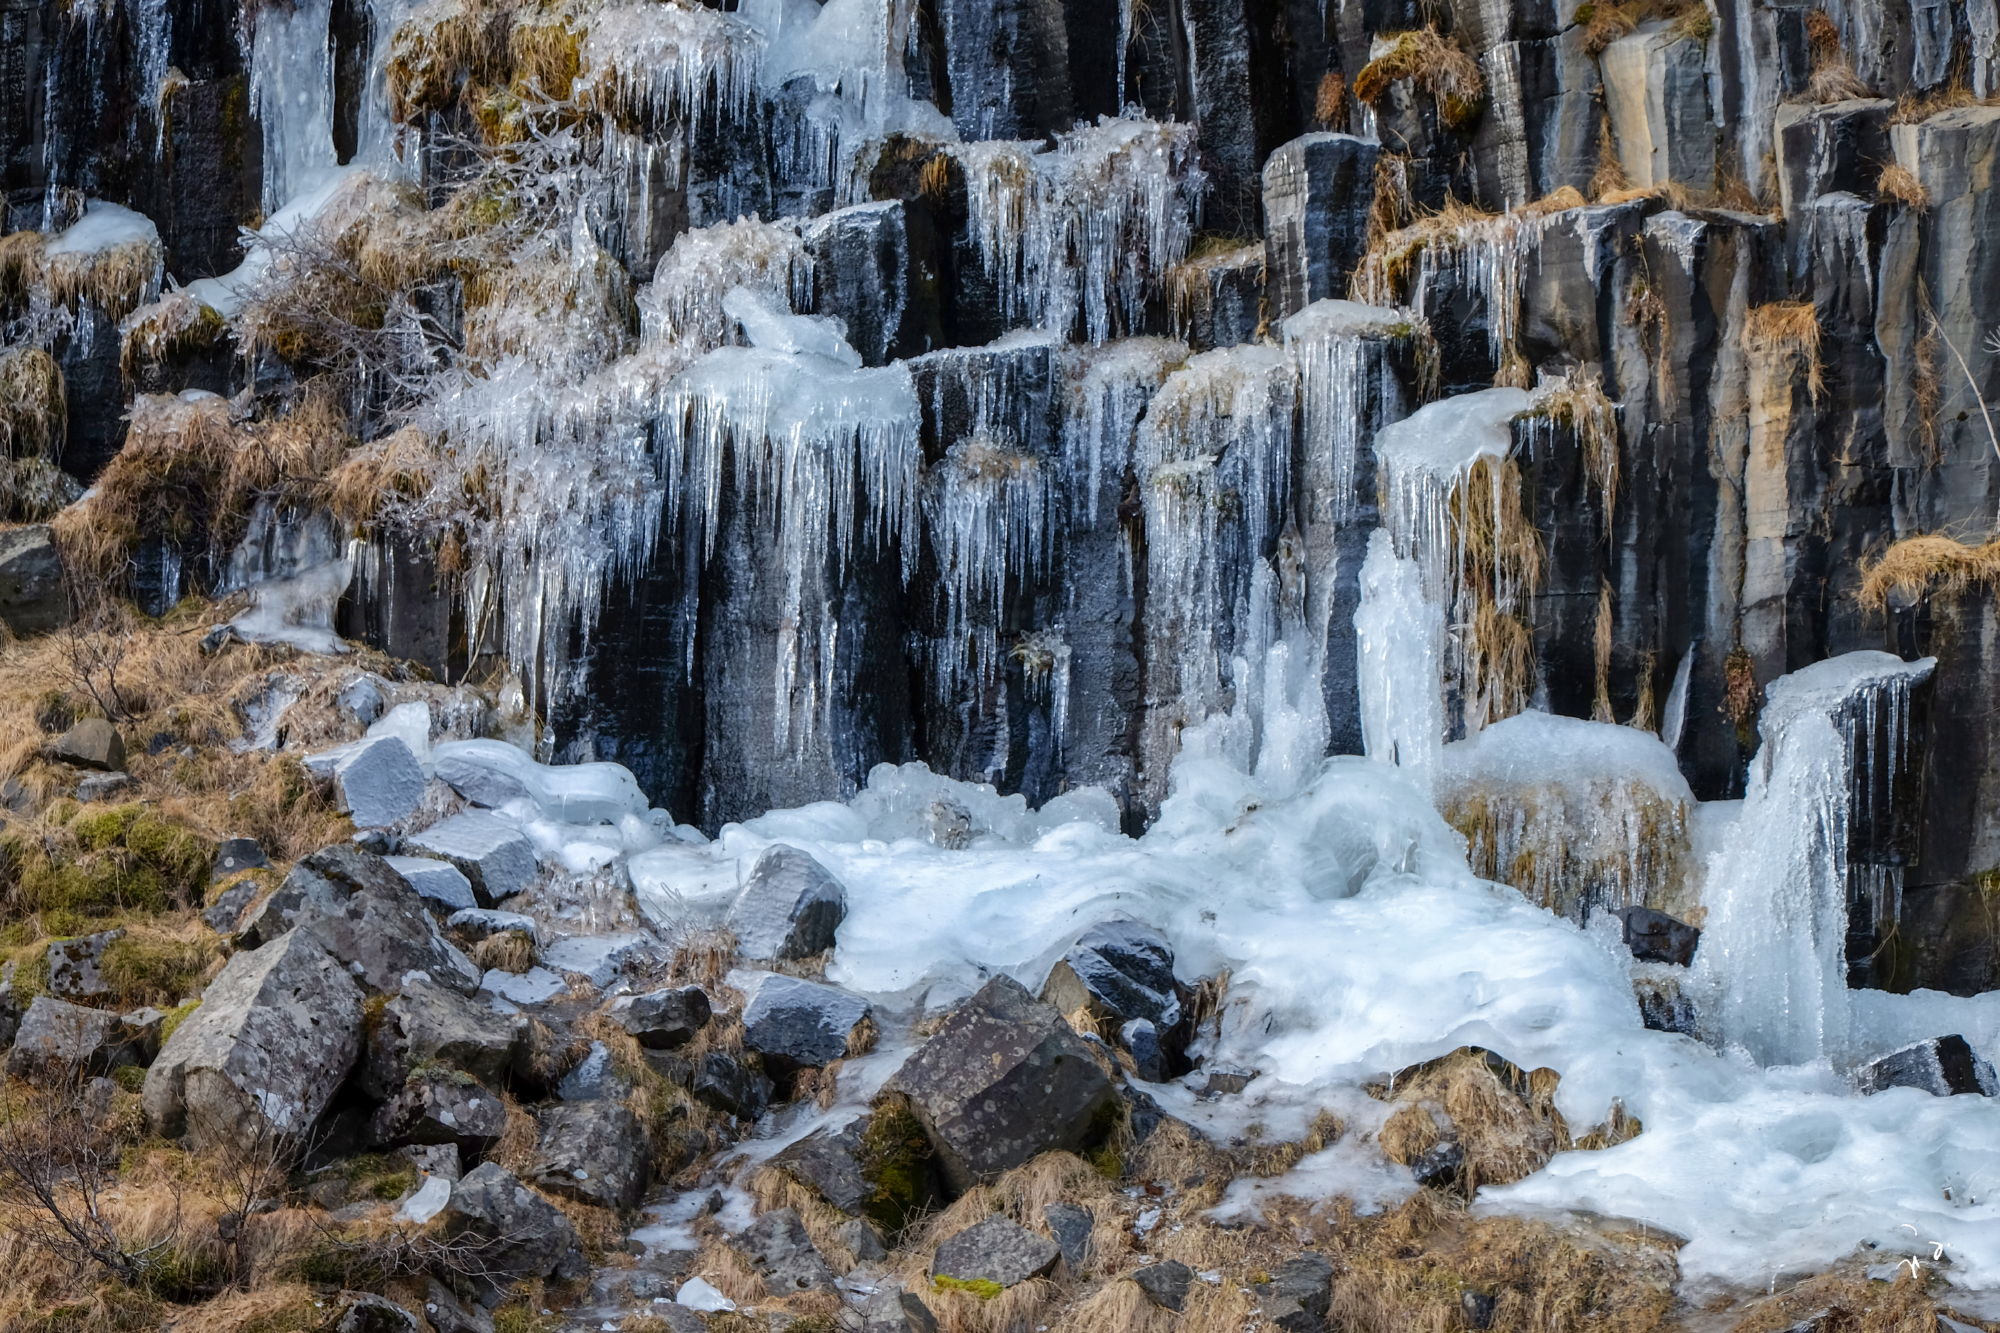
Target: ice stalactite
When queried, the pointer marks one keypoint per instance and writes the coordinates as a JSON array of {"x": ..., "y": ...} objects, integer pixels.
[
  {"x": 1215, "y": 462},
  {"x": 1402, "y": 638},
  {"x": 1336, "y": 345},
  {"x": 291, "y": 93},
  {"x": 827, "y": 452},
  {"x": 1079, "y": 232},
  {"x": 684, "y": 303},
  {"x": 988, "y": 510},
  {"x": 1480, "y": 255},
  {"x": 846, "y": 58},
  {"x": 1772, "y": 968},
  {"x": 659, "y": 64},
  {"x": 1451, "y": 506}
]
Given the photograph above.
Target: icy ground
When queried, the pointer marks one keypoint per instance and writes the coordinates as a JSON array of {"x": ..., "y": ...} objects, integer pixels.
[{"x": 1358, "y": 943}]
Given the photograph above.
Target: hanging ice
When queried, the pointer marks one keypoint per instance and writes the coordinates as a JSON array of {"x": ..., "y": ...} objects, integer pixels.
[
  {"x": 291, "y": 93},
  {"x": 1772, "y": 968}
]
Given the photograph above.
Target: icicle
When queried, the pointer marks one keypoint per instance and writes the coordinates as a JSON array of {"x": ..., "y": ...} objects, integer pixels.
[
  {"x": 1328, "y": 341},
  {"x": 1079, "y": 232},
  {"x": 655, "y": 63},
  {"x": 1773, "y": 954},
  {"x": 987, "y": 509},
  {"x": 291, "y": 93}
]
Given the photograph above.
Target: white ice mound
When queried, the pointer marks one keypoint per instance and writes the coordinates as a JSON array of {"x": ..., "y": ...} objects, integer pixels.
[
  {"x": 495, "y": 774},
  {"x": 778, "y": 330}
]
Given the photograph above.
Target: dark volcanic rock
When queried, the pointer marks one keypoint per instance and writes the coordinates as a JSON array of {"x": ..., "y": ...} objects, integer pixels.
[
  {"x": 514, "y": 1232},
  {"x": 996, "y": 1250},
  {"x": 1941, "y": 1066},
  {"x": 663, "y": 1019},
  {"x": 1298, "y": 1295},
  {"x": 794, "y": 1023},
  {"x": 595, "y": 1152},
  {"x": 1655, "y": 937},
  {"x": 789, "y": 907},
  {"x": 783, "y": 1255},
  {"x": 1165, "y": 1283}
]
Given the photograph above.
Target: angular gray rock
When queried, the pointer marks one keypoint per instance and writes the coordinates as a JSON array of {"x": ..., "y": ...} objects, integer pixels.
[
  {"x": 790, "y": 907},
  {"x": 74, "y": 965},
  {"x": 663, "y": 1019},
  {"x": 594, "y": 1078},
  {"x": 367, "y": 916},
  {"x": 893, "y": 1310},
  {"x": 1941, "y": 1066},
  {"x": 235, "y": 855},
  {"x": 429, "y": 1024},
  {"x": 1118, "y": 970},
  {"x": 731, "y": 1085},
  {"x": 829, "y": 1160},
  {"x": 1165, "y": 1283},
  {"x": 449, "y": 1314},
  {"x": 1071, "y": 1225},
  {"x": 1318, "y": 191},
  {"x": 55, "y": 1037},
  {"x": 794, "y": 1023},
  {"x": 1142, "y": 1039},
  {"x": 104, "y": 786},
  {"x": 32, "y": 597},
  {"x": 276, "y": 1033},
  {"x": 1298, "y": 1295},
  {"x": 1655, "y": 937},
  {"x": 510, "y": 1231},
  {"x": 92, "y": 743},
  {"x": 480, "y": 923},
  {"x": 1441, "y": 1167},
  {"x": 490, "y": 852},
  {"x": 440, "y": 1106},
  {"x": 998, "y": 1249},
  {"x": 377, "y": 780},
  {"x": 1004, "y": 1078},
  {"x": 783, "y": 1255},
  {"x": 595, "y": 1152},
  {"x": 435, "y": 881},
  {"x": 375, "y": 1314}
]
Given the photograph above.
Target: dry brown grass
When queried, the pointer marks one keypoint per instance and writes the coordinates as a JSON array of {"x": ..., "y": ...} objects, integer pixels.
[
  {"x": 1915, "y": 108},
  {"x": 1919, "y": 567},
  {"x": 1330, "y": 102},
  {"x": 1901, "y": 184},
  {"x": 118, "y": 279},
  {"x": 1607, "y": 20},
  {"x": 20, "y": 270},
  {"x": 1504, "y": 1120},
  {"x": 403, "y": 463},
  {"x": 1601, "y": 642},
  {"x": 1836, "y": 81},
  {"x": 1434, "y": 63},
  {"x": 1501, "y": 559},
  {"x": 1788, "y": 328},
  {"x": 173, "y": 325},
  {"x": 34, "y": 416},
  {"x": 1610, "y": 178}
]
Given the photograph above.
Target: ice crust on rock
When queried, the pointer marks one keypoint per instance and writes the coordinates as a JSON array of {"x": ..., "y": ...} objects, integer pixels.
[{"x": 495, "y": 774}]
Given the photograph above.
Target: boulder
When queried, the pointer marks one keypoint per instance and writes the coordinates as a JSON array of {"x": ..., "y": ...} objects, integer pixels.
[
  {"x": 783, "y": 1255},
  {"x": 490, "y": 852},
  {"x": 1941, "y": 1066},
  {"x": 663, "y": 1019},
  {"x": 367, "y": 916},
  {"x": 595, "y": 1078},
  {"x": 225, "y": 915},
  {"x": 893, "y": 1310},
  {"x": 1318, "y": 191},
  {"x": 731, "y": 1085},
  {"x": 1441, "y": 1167},
  {"x": 1071, "y": 1225},
  {"x": 430, "y": 1024},
  {"x": 597, "y": 958},
  {"x": 536, "y": 986},
  {"x": 55, "y": 1037},
  {"x": 830, "y": 1161},
  {"x": 789, "y": 907},
  {"x": 92, "y": 743},
  {"x": 512, "y": 1232},
  {"x": 1478, "y": 1307},
  {"x": 32, "y": 597},
  {"x": 448, "y": 1313},
  {"x": 1165, "y": 1283},
  {"x": 794, "y": 1024},
  {"x": 74, "y": 965},
  {"x": 435, "y": 881},
  {"x": 1002, "y": 1080},
  {"x": 440, "y": 1106},
  {"x": 236, "y": 855},
  {"x": 274, "y": 1037},
  {"x": 998, "y": 1250},
  {"x": 374, "y": 1314},
  {"x": 1298, "y": 1294},
  {"x": 1655, "y": 937},
  {"x": 377, "y": 780},
  {"x": 594, "y": 1152},
  {"x": 479, "y": 923},
  {"x": 1117, "y": 971}
]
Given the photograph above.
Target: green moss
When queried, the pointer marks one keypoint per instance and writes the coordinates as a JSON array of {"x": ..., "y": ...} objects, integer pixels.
[
  {"x": 185, "y": 1278},
  {"x": 129, "y": 1078},
  {"x": 1585, "y": 12},
  {"x": 144, "y": 968},
  {"x": 977, "y": 1286},
  {"x": 116, "y": 858},
  {"x": 95, "y": 830},
  {"x": 896, "y": 1161},
  {"x": 175, "y": 1017}
]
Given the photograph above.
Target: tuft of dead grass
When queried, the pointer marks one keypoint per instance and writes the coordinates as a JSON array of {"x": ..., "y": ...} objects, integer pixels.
[
  {"x": 1901, "y": 184},
  {"x": 1788, "y": 328},
  {"x": 1433, "y": 63},
  {"x": 1330, "y": 102},
  {"x": 1924, "y": 566}
]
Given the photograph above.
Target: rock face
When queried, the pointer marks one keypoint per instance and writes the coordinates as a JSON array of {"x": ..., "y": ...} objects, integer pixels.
[
  {"x": 92, "y": 743},
  {"x": 1942, "y": 1066},
  {"x": 516, "y": 1233},
  {"x": 664, "y": 1019},
  {"x": 32, "y": 597},
  {"x": 794, "y": 1023},
  {"x": 790, "y": 907},
  {"x": 377, "y": 779},
  {"x": 1005, "y": 1078},
  {"x": 784, "y": 1256},
  {"x": 998, "y": 1250},
  {"x": 1318, "y": 191},
  {"x": 491, "y": 853},
  {"x": 276, "y": 1033},
  {"x": 439, "y": 1106},
  {"x": 595, "y": 1152}
]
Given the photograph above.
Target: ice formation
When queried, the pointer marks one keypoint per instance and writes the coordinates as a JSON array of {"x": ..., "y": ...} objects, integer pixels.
[{"x": 1078, "y": 231}]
